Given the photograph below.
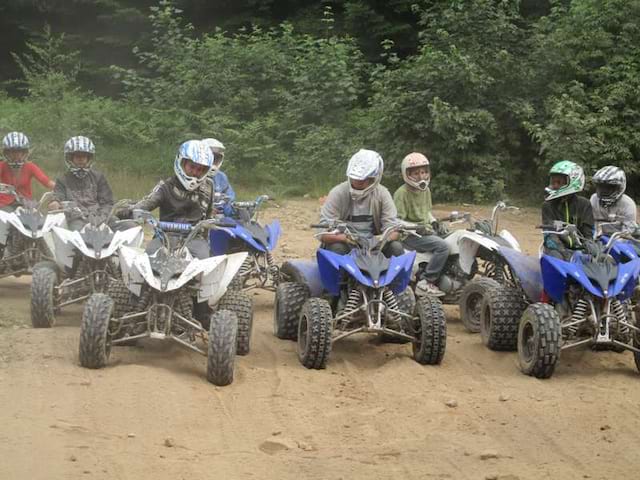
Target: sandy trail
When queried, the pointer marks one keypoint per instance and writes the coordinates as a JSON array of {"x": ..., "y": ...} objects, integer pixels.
[{"x": 373, "y": 413}]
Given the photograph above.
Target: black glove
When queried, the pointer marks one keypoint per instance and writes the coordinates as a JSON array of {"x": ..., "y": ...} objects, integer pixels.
[
  {"x": 439, "y": 228},
  {"x": 423, "y": 231},
  {"x": 124, "y": 213}
]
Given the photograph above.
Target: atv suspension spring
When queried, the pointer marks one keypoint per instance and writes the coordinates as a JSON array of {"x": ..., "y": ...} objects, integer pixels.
[
  {"x": 390, "y": 300},
  {"x": 353, "y": 302},
  {"x": 246, "y": 266},
  {"x": 272, "y": 267},
  {"x": 579, "y": 314},
  {"x": 617, "y": 309}
]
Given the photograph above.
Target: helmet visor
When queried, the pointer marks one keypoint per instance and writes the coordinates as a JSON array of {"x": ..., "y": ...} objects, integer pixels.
[
  {"x": 193, "y": 169},
  {"x": 606, "y": 190},
  {"x": 557, "y": 181}
]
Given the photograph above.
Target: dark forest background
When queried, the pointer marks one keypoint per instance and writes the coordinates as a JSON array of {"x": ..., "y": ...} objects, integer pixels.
[{"x": 493, "y": 91}]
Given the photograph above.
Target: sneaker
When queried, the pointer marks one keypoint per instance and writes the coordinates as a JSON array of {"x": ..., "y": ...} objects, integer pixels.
[{"x": 424, "y": 288}]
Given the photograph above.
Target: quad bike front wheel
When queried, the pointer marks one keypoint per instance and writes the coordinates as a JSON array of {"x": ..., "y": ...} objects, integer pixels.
[
  {"x": 471, "y": 301},
  {"x": 315, "y": 330},
  {"x": 500, "y": 314},
  {"x": 241, "y": 304},
  {"x": 95, "y": 339},
  {"x": 431, "y": 332},
  {"x": 539, "y": 337},
  {"x": 221, "y": 355},
  {"x": 43, "y": 283},
  {"x": 290, "y": 297}
]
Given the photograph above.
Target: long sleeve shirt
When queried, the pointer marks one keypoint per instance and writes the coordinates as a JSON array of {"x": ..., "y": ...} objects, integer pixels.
[{"x": 21, "y": 179}]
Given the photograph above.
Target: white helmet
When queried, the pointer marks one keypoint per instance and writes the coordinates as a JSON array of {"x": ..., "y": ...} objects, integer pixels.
[
  {"x": 365, "y": 164},
  {"x": 217, "y": 148},
  {"x": 414, "y": 160},
  {"x": 15, "y": 141},
  {"x": 82, "y": 145},
  {"x": 198, "y": 152}
]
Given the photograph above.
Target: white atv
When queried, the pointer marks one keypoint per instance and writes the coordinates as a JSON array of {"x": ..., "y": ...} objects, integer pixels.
[
  {"x": 25, "y": 234},
  {"x": 85, "y": 262},
  {"x": 472, "y": 251},
  {"x": 157, "y": 298}
]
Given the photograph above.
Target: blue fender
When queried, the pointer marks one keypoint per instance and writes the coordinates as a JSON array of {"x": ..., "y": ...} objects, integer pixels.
[
  {"x": 275, "y": 230},
  {"x": 622, "y": 250},
  {"x": 556, "y": 273},
  {"x": 399, "y": 273},
  {"x": 527, "y": 269},
  {"x": 331, "y": 263},
  {"x": 219, "y": 237},
  {"x": 305, "y": 272},
  {"x": 626, "y": 280}
]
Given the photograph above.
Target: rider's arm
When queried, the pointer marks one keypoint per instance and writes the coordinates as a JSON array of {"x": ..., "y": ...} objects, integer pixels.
[
  {"x": 330, "y": 212},
  {"x": 40, "y": 176},
  {"x": 585, "y": 214},
  {"x": 105, "y": 195},
  {"x": 227, "y": 189},
  {"x": 429, "y": 206},
  {"x": 388, "y": 212},
  {"x": 152, "y": 200}
]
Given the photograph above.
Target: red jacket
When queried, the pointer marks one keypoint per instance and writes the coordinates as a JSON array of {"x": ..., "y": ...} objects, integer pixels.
[{"x": 21, "y": 180}]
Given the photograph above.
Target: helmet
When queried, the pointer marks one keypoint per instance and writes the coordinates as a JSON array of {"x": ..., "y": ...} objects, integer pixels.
[
  {"x": 610, "y": 183},
  {"x": 414, "y": 160},
  {"x": 217, "y": 148},
  {"x": 15, "y": 141},
  {"x": 574, "y": 183},
  {"x": 365, "y": 164},
  {"x": 198, "y": 152},
  {"x": 79, "y": 145}
]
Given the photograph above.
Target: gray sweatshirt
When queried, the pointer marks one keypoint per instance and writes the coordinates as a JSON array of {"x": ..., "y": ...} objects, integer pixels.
[
  {"x": 625, "y": 208},
  {"x": 370, "y": 215}
]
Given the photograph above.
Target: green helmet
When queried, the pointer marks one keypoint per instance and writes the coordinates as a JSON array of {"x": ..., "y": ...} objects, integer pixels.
[{"x": 575, "y": 180}]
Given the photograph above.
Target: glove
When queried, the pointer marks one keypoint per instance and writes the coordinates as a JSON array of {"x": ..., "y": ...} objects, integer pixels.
[
  {"x": 423, "y": 231},
  {"x": 125, "y": 213},
  {"x": 439, "y": 228}
]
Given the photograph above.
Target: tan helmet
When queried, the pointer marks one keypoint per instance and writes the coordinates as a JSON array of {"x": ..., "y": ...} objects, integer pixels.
[{"x": 414, "y": 160}]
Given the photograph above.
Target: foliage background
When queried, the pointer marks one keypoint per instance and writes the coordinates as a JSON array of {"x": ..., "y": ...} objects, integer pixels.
[{"x": 493, "y": 91}]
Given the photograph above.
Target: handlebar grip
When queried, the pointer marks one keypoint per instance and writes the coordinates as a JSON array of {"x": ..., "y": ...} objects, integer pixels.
[
  {"x": 546, "y": 227},
  {"x": 318, "y": 225},
  {"x": 244, "y": 204},
  {"x": 175, "y": 227}
]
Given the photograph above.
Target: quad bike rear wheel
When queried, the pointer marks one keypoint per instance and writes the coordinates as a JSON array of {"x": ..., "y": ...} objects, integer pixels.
[
  {"x": 95, "y": 339},
  {"x": 290, "y": 297},
  {"x": 471, "y": 301},
  {"x": 500, "y": 314},
  {"x": 431, "y": 332},
  {"x": 241, "y": 304},
  {"x": 539, "y": 336},
  {"x": 43, "y": 283},
  {"x": 221, "y": 355},
  {"x": 315, "y": 331}
]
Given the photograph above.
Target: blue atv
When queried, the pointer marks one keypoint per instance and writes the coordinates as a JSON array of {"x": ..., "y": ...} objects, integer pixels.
[
  {"x": 248, "y": 235},
  {"x": 337, "y": 296},
  {"x": 565, "y": 304}
]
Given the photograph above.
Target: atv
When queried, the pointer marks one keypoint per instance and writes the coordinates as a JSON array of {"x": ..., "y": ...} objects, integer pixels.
[
  {"x": 247, "y": 234},
  {"x": 25, "y": 234},
  {"x": 158, "y": 296},
  {"x": 85, "y": 262},
  {"x": 361, "y": 292},
  {"x": 584, "y": 301}
]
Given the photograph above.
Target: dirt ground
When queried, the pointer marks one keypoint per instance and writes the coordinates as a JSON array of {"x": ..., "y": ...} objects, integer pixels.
[{"x": 374, "y": 413}]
